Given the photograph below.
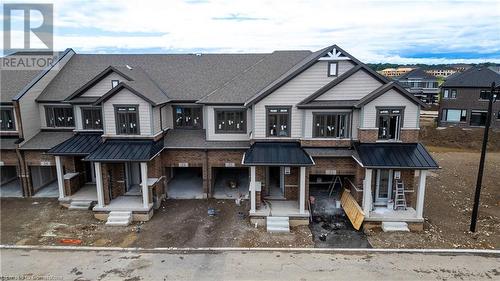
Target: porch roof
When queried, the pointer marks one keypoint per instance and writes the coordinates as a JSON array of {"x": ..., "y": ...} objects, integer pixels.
[
  {"x": 79, "y": 144},
  {"x": 277, "y": 154},
  {"x": 125, "y": 151},
  {"x": 395, "y": 155}
]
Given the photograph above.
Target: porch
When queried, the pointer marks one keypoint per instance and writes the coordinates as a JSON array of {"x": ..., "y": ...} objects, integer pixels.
[
  {"x": 280, "y": 208},
  {"x": 125, "y": 203},
  {"x": 387, "y": 214}
]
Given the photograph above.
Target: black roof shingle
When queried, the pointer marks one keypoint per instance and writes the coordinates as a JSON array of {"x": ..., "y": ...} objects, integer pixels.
[
  {"x": 277, "y": 154},
  {"x": 395, "y": 155}
]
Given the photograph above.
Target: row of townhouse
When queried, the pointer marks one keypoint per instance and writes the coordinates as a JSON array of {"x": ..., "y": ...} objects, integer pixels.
[{"x": 124, "y": 132}]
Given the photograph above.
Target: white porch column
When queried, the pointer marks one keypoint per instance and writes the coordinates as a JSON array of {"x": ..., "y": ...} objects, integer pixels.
[
  {"x": 421, "y": 194},
  {"x": 60, "y": 177},
  {"x": 252, "y": 189},
  {"x": 367, "y": 192},
  {"x": 144, "y": 185},
  {"x": 302, "y": 193},
  {"x": 99, "y": 184}
]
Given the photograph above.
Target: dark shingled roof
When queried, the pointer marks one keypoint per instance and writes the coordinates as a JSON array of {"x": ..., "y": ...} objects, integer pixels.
[
  {"x": 191, "y": 139},
  {"x": 474, "y": 77},
  {"x": 45, "y": 140},
  {"x": 395, "y": 155},
  {"x": 278, "y": 154},
  {"x": 8, "y": 142},
  {"x": 79, "y": 144},
  {"x": 416, "y": 73},
  {"x": 125, "y": 150}
]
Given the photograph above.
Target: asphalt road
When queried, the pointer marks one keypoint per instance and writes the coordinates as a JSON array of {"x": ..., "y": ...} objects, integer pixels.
[{"x": 243, "y": 265}]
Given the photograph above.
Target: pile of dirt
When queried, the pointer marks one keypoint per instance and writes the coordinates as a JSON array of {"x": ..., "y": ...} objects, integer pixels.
[{"x": 451, "y": 137}]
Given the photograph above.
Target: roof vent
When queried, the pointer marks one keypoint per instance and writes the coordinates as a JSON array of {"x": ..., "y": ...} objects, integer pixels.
[
  {"x": 129, "y": 67},
  {"x": 198, "y": 54}
]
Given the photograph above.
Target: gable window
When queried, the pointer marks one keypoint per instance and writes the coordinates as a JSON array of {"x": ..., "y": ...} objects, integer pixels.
[
  {"x": 454, "y": 115},
  {"x": 114, "y": 83},
  {"x": 390, "y": 121},
  {"x": 478, "y": 118},
  {"x": 59, "y": 116},
  {"x": 188, "y": 117},
  {"x": 91, "y": 118},
  {"x": 330, "y": 125},
  {"x": 7, "y": 122},
  {"x": 127, "y": 120},
  {"x": 278, "y": 121},
  {"x": 230, "y": 121},
  {"x": 449, "y": 93},
  {"x": 333, "y": 68},
  {"x": 484, "y": 95}
]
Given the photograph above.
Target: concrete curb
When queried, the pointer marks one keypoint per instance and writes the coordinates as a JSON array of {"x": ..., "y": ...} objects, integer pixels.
[{"x": 236, "y": 249}]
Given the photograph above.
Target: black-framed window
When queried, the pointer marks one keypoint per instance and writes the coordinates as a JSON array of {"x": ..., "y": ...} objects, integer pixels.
[
  {"x": 59, "y": 116},
  {"x": 7, "y": 122},
  {"x": 333, "y": 68},
  {"x": 91, "y": 118},
  {"x": 230, "y": 121},
  {"x": 127, "y": 120},
  {"x": 454, "y": 115},
  {"x": 330, "y": 125},
  {"x": 114, "y": 83},
  {"x": 498, "y": 115},
  {"x": 278, "y": 121},
  {"x": 484, "y": 95},
  {"x": 389, "y": 122},
  {"x": 188, "y": 117},
  {"x": 478, "y": 118},
  {"x": 449, "y": 93}
]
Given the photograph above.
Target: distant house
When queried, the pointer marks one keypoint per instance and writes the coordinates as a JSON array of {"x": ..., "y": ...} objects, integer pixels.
[
  {"x": 421, "y": 84},
  {"x": 395, "y": 72},
  {"x": 442, "y": 72},
  {"x": 464, "y": 99}
]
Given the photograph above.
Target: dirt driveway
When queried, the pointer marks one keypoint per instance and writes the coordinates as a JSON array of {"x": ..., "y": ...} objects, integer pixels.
[{"x": 179, "y": 223}]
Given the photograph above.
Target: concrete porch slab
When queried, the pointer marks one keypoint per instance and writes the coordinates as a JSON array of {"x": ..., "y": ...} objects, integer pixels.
[
  {"x": 390, "y": 215},
  {"x": 279, "y": 208},
  {"x": 11, "y": 189},
  {"x": 124, "y": 203}
]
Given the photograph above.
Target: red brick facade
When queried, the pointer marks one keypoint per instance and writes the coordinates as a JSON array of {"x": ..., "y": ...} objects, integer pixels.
[
  {"x": 113, "y": 180},
  {"x": 367, "y": 135},
  {"x": 410, "y": 135}
]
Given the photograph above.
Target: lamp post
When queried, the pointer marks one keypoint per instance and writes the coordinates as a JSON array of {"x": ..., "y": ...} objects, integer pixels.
[{"x": 492, "y": 98}]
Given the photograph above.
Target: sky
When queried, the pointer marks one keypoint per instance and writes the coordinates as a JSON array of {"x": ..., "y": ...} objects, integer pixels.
[{"x": 399, "y": 31}]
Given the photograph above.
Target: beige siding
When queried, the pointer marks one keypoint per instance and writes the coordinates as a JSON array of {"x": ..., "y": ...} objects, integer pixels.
[
  {"x": 355, "y": 123},
  {"x": 156, "y": 120},
  {"x": 103, "y": 86},
  {"x": 210, "y": 125},
  {"x": 293, "y": 92},
  {"x": 355, "y": 87},
  {"x": 391, "y": 98},
  {"x": 125, "y": 97},
  {"x": 167, "y": 117}
]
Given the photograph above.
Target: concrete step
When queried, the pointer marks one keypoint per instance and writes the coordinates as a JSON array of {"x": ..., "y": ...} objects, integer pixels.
[
  {"x": 278, "y": 224},
  {"x": 117, "y": 218},
  {"x": 395, "y": 226},
  {"x": 80, "y": 204}
]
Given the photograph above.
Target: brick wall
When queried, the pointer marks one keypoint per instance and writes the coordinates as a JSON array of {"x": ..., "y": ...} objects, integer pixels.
[
  {"x": 367, "y": 135},
  {"x": 342, "y": 165},
  {"x": 194, "y": 158},
  {"x": 113, "y": 179},
  {"x": 33, "y": 158},
  {"x": 409, "y": 135},
  {"x": 9, "y": 157},
  {"x": 326, "y": 143},
  {"x": 292, "y": 184}
]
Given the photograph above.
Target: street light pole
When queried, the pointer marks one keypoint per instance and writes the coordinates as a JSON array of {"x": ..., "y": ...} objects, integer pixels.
[{"x": 475, "y": 209}]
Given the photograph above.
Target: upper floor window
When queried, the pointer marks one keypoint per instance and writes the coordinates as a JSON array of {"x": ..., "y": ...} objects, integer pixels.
[
  {"x": 390, "y": 121},
  {"x": 333, "y": 68},
  {"x": 449, "y": 93},
  {"x": 188, "y": 117},
  {"x": 127, "y": 120},
  {"x": 454, "y": 115},
  {"x": 114, "y": 83},
  {"x": 230, "y": 121},
  {"x": 330, "y": 125},
  {"x": 91, "y": 118},
  {"x": 59, "y": 116},
  {"x": 278, "y": 121},
  {"x": 484, "y": 95},
  {"x": 7, "y": 122}
]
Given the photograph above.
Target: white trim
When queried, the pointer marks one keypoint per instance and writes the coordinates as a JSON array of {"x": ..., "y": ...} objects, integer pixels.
[
  {"x": 302, "y": 188},
  {"x": 60, "y": 177}
]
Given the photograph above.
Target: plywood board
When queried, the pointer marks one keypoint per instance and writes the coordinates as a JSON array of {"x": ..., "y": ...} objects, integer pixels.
[{"x": 352, "y": 209}]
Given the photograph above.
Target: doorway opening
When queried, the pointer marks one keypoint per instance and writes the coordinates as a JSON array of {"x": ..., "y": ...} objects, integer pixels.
[{"x": 275, "y": 183}]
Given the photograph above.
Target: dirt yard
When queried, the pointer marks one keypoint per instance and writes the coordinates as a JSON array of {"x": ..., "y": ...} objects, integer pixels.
[
  {"x": 179, "y": 223},
  {"x": 448, "y": 205}
]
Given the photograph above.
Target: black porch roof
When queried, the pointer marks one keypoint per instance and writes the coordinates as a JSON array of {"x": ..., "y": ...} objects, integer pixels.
[
  {"x": 395, "y": 155},
  {"x": 126, "y": 151},
  {"x": 277, "y": 154},
  {"x": 79, "y": 144}
]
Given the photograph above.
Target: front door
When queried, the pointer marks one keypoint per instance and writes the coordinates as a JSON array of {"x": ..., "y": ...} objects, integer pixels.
[
  {"x": 383, "y": 187},
  {"x": 275, "y": 182},
  {"x": 133, "y": 178}
]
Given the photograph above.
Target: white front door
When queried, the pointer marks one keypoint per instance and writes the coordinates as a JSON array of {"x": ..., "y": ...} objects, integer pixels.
[{"x": 383, "y": 188}]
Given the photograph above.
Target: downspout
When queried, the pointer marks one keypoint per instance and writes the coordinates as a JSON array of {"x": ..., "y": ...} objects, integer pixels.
[
  {"x": 23, "y": 170},
  {"x": 209, "y": 176}
]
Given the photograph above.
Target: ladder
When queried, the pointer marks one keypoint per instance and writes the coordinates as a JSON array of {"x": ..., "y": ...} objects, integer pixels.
[
  {"x": 399, "y": 198},
  {"x": 336, "y": 181}
]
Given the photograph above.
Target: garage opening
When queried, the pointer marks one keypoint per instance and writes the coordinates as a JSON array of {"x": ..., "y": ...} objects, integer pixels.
[
  {"x": 44, "y": 181},
  {"x": 10, "y": 186},
  {"x": 185, "y": 183},
  {"x": 230, "y": 183}
]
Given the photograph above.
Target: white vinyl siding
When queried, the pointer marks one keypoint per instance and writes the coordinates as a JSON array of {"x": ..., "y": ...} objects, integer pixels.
[
  {"x": 355, "y": 87},
  {"x": 391, "y": 99},
  {"x": 293, "y": 92},
  {"x": 210, "y": 125},
  {"x": 103, "y": 86},
  {"x": 156, "y": 120},
  {"x": 167, "y": 117},
  {"x": 125, "y": 97}
]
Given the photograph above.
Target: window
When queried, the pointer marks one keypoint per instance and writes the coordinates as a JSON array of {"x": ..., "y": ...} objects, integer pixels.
[
  {"x": 58, "y": 116},
  {"x": 127, "y": 120},
  {"x": 114, "y": 83},
  {"x": 188, "y": 117},
  {"x": 498, "y": 115},
  {"x": 330, "y": 125},
  {"x": 449, "y": 94},
  {"x": 333, "y": 68},
  {"x": 278, "y": 121},
  {"x": 7, "y": 119},
  {"x": 91, "y": 118},
  {"x": 390, "y": 121},
  {"x": 454, "y": 115},
  {"x": 484, "y": 95},
  {"x": 478, "y": 118},
  {"x": 230, "y": 121}
]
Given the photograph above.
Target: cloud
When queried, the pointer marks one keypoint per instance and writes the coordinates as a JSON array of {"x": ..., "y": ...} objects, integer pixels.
[{"x": 373, "y": 31}]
